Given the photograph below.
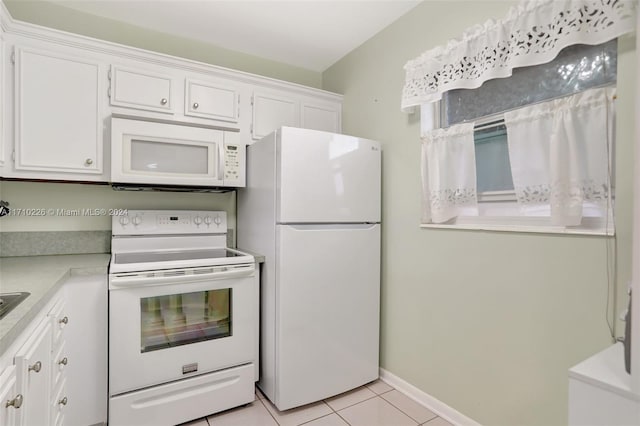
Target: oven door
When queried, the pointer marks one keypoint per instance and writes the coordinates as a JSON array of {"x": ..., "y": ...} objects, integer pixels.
[{"x": 185, "y": 326}]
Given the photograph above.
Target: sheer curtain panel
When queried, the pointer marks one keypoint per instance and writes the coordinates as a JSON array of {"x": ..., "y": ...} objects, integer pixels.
[
  {"x": 559, "y": 154},
  {"x": 449, "y": 173}
]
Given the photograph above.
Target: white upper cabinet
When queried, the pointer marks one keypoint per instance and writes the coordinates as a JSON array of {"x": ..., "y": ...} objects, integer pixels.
[
  {"x": 270, "y": 111},
  {"x": 139, "y": 89},
  {"x": 212, "y": 100},
  {"x": 57, "y": 113},
  {"x": 317, "y": 116}
]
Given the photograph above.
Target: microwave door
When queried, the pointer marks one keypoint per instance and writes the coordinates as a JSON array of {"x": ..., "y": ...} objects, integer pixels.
[{"x": 166, "y": 154}]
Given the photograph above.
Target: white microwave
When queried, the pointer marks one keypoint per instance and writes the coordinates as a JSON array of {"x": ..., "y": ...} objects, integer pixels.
[{"x": 150, "y": 153}]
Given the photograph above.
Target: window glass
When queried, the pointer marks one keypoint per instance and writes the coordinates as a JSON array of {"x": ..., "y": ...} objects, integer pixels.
[
  {"x": 492, "y": 159},
  {"x": 576, "y": 68}
]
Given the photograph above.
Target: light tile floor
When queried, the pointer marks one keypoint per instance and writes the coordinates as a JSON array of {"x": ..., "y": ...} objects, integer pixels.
[{"x": 376, "y": 404}]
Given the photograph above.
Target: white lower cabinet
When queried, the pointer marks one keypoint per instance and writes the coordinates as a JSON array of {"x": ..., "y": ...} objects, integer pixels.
[
  {"x": 33, "y": 364},
  {"x": 10, "y": 399},
  {"x": 55, "y": 373}
]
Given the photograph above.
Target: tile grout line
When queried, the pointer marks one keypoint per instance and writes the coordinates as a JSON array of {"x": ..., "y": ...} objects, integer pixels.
[
  {"x": 269, "y": 411},
  {"x": 407, "y": 414}
]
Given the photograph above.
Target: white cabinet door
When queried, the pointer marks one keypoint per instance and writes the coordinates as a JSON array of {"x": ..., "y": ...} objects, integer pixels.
[
  {"x": 10, "y": 400},
  {"x": 211, "y": 100},
  {"x": 271, "y": 111},
  {"x": 141, "y": 89},
  {"x": 320, "y": 117},
  {"x": 33, "y": 362},
  {"x": 58, "y": 122},
  {"x": 2, "y": 101}
]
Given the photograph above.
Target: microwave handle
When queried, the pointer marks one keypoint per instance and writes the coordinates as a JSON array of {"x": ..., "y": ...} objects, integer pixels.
[{"x": 220, "y": 161}]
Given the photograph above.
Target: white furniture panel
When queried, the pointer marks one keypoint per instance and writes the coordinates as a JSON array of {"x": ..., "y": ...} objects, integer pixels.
[
  {"x": 10, "y": 400},
  {"x": 86, "y": 350},
  {"x": 322, "y": 177},
  {"x": 321, "y": 117},
  {"x": 33, "y": 362},
  {"x": 271, "y": 111},
  {"x": 141, "y": 89},
  {"x": 2, "y": 99},
  {"x": 600, "y": 391},
  {"x": 327, "y": 322},
  {"x": 215, "y": 101},
  {"x": 58, "y": 120}
]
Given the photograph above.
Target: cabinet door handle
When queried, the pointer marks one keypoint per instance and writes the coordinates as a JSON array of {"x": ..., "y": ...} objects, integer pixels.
[
  {"x": 195, "y": 105},
  {"x": 63, "y": 401},
  {"x": 88, "y": 161},
  {"x": 63, "y": 361},
  {"x": 36, "y": 367},
  {"x": 15, "y": 402},
  {"x": 64, "y": 320},
  {"x": 163, "y": 101}
]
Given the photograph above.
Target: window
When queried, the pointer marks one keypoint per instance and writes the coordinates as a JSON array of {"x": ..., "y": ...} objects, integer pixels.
[{"x": 575, "y": 70}]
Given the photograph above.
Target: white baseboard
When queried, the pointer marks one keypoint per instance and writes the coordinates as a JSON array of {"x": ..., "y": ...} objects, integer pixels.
[{"x": 438, "y": 407}]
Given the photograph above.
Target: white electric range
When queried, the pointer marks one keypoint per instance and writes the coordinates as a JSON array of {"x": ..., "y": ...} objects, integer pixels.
[{"x": 183, "y": 318}]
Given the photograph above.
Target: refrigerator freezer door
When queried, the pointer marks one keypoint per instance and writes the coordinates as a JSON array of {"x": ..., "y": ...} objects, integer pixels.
[
  {"x": 327, "y": 178},
  {"x": 327, "y": 315}
]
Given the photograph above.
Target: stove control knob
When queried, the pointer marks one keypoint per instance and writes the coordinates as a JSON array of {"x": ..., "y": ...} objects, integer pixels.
[
  {"x": 197, "y": 220},
  {"x": 217, "y": 220},
  {"x": 137, "y": 220},
  {"x": 124, "y": 220},
  {"x": 207, "y": 220}
]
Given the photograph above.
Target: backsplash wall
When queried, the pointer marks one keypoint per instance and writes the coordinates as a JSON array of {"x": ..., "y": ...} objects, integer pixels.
[{"x": 69, "y": 206}]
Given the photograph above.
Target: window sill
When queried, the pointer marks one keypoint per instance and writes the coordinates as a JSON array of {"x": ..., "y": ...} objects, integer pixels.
[{"x": 591, "y": 226}]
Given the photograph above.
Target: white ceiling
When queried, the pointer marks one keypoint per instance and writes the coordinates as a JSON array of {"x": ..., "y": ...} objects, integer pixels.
[{"x": 311, "y": 34}]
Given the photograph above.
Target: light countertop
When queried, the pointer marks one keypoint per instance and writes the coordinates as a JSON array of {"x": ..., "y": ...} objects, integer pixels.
[{"x": 42, "y": 276}]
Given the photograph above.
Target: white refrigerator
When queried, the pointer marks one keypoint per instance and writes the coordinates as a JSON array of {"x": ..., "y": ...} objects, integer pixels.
[{"x": 312, "y": 208}]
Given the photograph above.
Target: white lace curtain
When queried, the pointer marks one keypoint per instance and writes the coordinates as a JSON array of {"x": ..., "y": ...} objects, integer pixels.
[
  {"x": 559, "y": 153},
  {"x": 448, "y": 173},
  {"x": 532, "y": 33}
]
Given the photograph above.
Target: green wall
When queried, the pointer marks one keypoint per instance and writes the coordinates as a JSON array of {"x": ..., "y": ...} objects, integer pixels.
[
  {"x": 487, "y": 322},
  {"x": 70, "y": 20}
]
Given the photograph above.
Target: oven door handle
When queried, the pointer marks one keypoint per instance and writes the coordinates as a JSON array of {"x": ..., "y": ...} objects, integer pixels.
[{"x": 130, "y": 280}]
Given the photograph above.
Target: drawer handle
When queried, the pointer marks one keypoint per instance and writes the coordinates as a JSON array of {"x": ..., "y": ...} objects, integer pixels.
[
  {"x": 63, "y": 361},
  {"x": 63, "y": 401},
  {"x": 15, "y": 402},
  {"x": 163, "y": 101},
  {"x": 36, "y": 367},
  {"x": 195, "y": 105},
  {"x": 64, "y": 320}
]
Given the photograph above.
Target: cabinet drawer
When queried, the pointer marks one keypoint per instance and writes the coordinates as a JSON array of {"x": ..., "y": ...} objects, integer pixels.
[
  {"x": 59, "y": 402},
  {"x": 59, "y": 321},
  {"x": 211, "y": 100},
  {"x": 141, "y": 90},
  {"x": 59, "y": 363}
]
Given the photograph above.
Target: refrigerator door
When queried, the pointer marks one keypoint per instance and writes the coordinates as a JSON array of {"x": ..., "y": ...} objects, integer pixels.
[
  {"x": 327, "y": 310},
  {"x": 327, "y": 178}
]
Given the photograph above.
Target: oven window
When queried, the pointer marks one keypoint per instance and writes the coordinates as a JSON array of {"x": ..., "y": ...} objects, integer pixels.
[{"x": 180, "y": 319}]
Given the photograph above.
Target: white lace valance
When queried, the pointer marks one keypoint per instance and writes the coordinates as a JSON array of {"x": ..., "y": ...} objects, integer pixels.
[{"x": 532, "y": 33}]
